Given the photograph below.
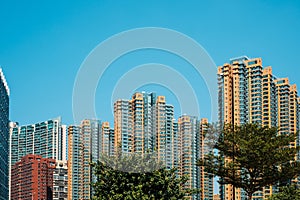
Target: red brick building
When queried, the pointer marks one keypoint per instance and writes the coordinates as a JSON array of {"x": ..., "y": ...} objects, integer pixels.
[{"x": 32, "y": 178}]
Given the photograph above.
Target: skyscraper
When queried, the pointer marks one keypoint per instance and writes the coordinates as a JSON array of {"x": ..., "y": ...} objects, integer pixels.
[
  {"x": 144, "y": 124},
  {"x": 189, "y": 151},
  {"x": 43, "y": 138},
  {"x": 107, "y": 142},
  {"x": 206, "y": 179},
  {"x": 91, "y": 148},
  {"x": 122, "y": 125},
  {"x": 249, "y": 93},
  {"x": 75, "y": 163},
  {"x": 4, "y": 135}
]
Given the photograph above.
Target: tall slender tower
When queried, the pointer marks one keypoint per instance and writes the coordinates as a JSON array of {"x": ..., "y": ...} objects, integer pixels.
[
  {"x": 4, "y": 135},
  {"x": 249, "y": 93},
  {"x": 107, "y": 140},
  {"x": 137, "y": 115},
  {"x": 189, "y": 151},
  {"x": 170, "y": 134},
  {"x": 205, "y": 179},
  {"x": 122, "y": 126},
  {"x": 75, "y": 163},
  {"x": 91, "y": 133},
  {"x": 160, "y": 124}
]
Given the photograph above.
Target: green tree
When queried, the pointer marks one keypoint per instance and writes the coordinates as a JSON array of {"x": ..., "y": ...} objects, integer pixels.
[
  {"x": 132, "y": 177},
  {"x": 251, "y": 156},
  {"x": 287, "y": 193}
]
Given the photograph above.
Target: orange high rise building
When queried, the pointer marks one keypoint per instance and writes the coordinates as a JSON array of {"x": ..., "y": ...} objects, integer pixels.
[{"x": 249, "y": 93}]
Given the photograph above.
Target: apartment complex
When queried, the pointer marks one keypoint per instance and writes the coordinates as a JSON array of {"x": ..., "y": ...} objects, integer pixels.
[
  {"x": 250, "y": 93},
  {"x": 87, "y": 142},
  {"x": 32, "y": 178},
  {"x": 192, "y": 145},
  {"x": 43, "y": 138},
  {"x": 4, "y": 135},
  {"x": 145, "y": 123}
]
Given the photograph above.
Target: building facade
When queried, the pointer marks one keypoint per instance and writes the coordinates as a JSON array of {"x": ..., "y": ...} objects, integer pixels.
[
  {"x": 91, "y": 148},
  {"x": 122, "y": 126},
  {"x": 250, "y": 93},
  {"x": 64, "y": 143},
  {"x": 107, "y": 140},
  {"x": 4, "y": 138},
  {"x": 60, "y": 180},
  {"x": 75, "y": 163},
  {"x": 189, "y": 151},
  {"x": 32, "y": 178},
  {"x": 43, "y": 138},
  {"x": 206, "y": 179},
  {"x": 144, "y": 124},
  {"x": 148, "y": 125},
  {"x": 87, "y": 142}
]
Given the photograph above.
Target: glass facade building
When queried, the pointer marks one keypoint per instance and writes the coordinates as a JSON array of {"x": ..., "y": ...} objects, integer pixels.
[
  {"x": 4, "y": 137},
  {"x": 43, "y": 138}
]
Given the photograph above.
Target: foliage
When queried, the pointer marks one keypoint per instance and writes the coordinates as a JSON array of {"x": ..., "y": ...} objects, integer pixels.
[
  {"x": 287, "y": 193},
  {"x": 251, "y": 157},
  {"x": 132, "y": 176}
]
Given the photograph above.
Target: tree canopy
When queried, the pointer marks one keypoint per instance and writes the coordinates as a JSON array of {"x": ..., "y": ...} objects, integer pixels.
[
  {"x": 287, "y": 193},
  {"x": 135, "y": 177},
  {"x": 251, "y": 156}
]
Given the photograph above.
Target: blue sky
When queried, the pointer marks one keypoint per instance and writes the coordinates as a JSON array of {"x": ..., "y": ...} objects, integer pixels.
[{"x": 43, "y": 44}]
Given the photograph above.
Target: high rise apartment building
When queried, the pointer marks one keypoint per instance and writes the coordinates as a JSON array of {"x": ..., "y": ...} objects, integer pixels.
[
  {"x": 107, "y": 140},
  {"x": 249, "y": 93},
  {"x": 4, "y": 137},
  {"x": 145, "y": 124},
  {"x": 75, "y": 163},
  {"x": 46, "y": 139},
  {"x": 91, "y": 148},
  {"x": 191, "y": 147},
  {"x": 206, "y": 179},
  {"x": 122, "y": 126},
  {"x": 87, "y": 142},
  {"x": 32, "y": 178},
  {"x": 43, "y": 138}
]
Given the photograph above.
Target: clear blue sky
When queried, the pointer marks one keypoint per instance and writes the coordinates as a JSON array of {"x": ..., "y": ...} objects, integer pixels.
[{"x": 43, "y": 44}]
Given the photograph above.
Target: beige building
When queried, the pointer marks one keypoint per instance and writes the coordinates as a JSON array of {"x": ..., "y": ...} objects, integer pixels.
[{"x": 249, "y": 93}]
